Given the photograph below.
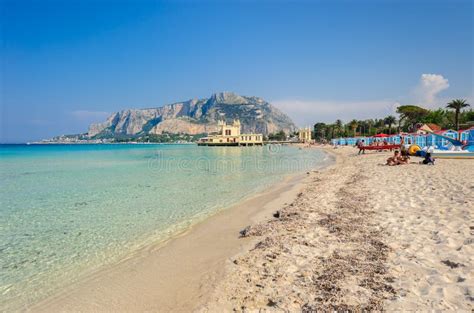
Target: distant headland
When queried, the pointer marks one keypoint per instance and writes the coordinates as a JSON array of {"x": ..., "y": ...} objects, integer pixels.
[{"x": 186, "y": 121}]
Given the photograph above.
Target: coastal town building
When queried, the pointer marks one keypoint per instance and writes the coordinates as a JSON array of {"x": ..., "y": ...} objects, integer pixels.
[
  {"x": 304, "y": 135},
  {"x": 428, "y": 128},
  {"x": 230, "y": 135}
]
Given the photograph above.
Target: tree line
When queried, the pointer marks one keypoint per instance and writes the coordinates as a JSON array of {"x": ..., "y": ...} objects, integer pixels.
[{"x": 453, "y": 116}]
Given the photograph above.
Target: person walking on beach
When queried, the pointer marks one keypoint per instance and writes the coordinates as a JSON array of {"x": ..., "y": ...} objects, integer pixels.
[{"x": 361, "y": 145}]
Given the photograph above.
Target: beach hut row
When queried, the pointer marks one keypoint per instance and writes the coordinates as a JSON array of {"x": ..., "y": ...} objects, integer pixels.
[{"x": 419, "y": 139}]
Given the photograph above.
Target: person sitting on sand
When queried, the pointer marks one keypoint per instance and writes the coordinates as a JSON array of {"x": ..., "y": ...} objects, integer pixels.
[
  {"x": 403, "y": 159},
  {"x": 428, "y": 159},
  {"x": 403, "y": 150},
  {"x": 393, "y": 160}
]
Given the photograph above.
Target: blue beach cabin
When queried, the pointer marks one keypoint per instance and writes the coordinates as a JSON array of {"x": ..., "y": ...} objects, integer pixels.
[
  {"x": 432, "y": 140},
  {"x": 464, "y": 134},
  {"x": 420, "y": 140}
]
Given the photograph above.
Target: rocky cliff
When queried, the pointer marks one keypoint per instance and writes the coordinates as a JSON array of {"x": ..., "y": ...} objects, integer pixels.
[{"x": 196, "y": 117}]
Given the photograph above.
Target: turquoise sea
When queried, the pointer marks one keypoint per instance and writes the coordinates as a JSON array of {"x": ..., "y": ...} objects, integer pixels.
[{"x": 67, "y": 210}]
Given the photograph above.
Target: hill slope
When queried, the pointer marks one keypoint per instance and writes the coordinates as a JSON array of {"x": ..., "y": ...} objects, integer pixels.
[{"x": 196, "y": 117}]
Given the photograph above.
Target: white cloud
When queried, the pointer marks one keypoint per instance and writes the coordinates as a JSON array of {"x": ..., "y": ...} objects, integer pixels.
[
  {"x": 429, "y": 87},
  {"x": 90, "y": 116},
  {"x": 307, "y": 112}
]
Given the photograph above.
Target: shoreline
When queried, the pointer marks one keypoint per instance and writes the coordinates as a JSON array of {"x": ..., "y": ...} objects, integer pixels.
[
  {"x": 157, "y": 270},
  {"x": 354, "y": 236}
]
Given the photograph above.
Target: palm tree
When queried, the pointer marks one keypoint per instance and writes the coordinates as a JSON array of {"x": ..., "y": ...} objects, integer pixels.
[
  {"x": 457, "y": 105},
  {"x": 353, "y": 125},
  {"x": 333, "y": 130},
  {"x": 390, "y": 120},
  {"x": 370, "y": 123},
  {"x": 338, "y": 126},
  {"x": 379, "y": 123}
]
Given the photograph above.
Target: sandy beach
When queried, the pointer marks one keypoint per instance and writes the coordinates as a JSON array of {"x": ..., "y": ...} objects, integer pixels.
[
  {"x": 356, "y": 235},
  {"x": 203, "y": 156},
  {"x": 361, "y": 235}
]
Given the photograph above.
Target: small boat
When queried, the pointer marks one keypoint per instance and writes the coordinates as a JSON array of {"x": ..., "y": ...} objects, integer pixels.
[
  {"x": 452, "y": 154},
  {"x": 458, "y": 150}
]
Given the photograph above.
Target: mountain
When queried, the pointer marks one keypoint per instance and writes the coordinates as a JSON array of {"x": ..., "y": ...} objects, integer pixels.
[{"x": 195, "y": 116}]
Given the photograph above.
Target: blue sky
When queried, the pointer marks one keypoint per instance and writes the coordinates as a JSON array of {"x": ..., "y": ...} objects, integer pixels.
[{"x": 68, "y": 63}]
